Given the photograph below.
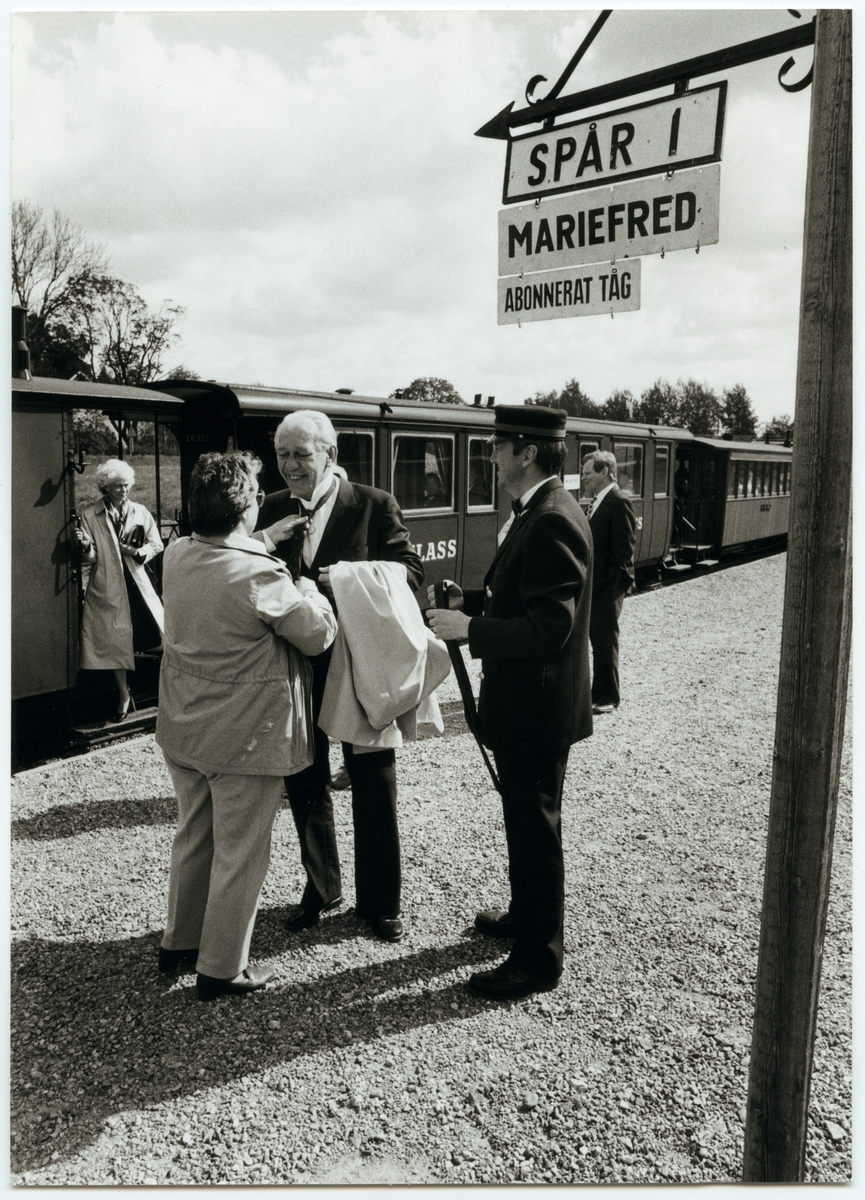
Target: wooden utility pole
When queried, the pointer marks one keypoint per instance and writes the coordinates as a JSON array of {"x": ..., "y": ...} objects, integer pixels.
[{"x": 815, "y": 645}]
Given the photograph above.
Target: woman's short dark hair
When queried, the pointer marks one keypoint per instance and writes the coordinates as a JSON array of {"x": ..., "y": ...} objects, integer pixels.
[
  {"x": 220, "y": 490},
  {"x": 551, "y": 453}
]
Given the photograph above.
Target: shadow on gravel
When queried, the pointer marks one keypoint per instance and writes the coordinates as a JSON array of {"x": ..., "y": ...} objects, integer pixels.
[
  {"x": 67, "y": 820},
  {"x": 96, "y": 1030}
]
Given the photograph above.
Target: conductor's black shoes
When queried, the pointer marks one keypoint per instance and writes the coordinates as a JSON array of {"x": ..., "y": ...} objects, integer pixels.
[
  {"x": 252, "y": 979},
  {"x": 173, "y": 960},
  {"x": 495, "y": 923},
  {"x": 506, "y": 982},
  {"x": 301, "y": 918},
  {"x": 601, "y": 710}
]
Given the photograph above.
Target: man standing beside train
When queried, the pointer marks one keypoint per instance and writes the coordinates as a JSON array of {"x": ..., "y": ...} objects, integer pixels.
[
  {"x": 614, "y": 530},
  {"x": 345, "y": 522},
  {"x": 529, "y": 626}
]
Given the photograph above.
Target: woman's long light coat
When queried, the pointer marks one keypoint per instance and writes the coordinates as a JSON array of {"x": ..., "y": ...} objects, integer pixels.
[{"x": 106, "y": 624}]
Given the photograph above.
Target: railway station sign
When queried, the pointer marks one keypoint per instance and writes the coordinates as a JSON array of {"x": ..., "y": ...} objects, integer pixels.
[
  {"x": 673, "y": 132},
  {"x": 642, "y": 216},
  {"x": 574, "y": 292}
]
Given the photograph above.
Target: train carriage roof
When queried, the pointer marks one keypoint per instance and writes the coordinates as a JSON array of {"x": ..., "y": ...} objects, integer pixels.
[
  {"x": 746, "y": 450},
  {"x": 260, "y": 400},
  {"x": 42, "y": 392}
]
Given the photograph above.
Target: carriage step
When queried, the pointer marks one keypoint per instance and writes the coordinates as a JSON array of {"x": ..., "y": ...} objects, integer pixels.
[
  {"x": 677, "y": 566},
  {"x": 707, "y": 562},
  {"x": 100, "y": 733}
]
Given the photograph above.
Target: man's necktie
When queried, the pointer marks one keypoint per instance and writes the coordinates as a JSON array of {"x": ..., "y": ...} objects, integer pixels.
[
  {"x": 589, "y": 509},
  {"x": 517, "y": 507},
  {"x": 307, "y": 510}
]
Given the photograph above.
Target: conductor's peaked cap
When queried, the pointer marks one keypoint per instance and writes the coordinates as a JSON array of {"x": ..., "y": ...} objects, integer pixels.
[{"x": 531, "y": 420}]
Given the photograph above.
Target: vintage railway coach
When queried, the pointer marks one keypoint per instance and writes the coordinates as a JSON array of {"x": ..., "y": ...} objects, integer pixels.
[
  {"x": 731, "y": 496},
  {"x": 694, "y": 496}
]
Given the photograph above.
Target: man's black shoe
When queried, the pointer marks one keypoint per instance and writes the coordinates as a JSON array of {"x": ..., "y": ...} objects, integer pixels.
[
  {"x": 207, "y": 987},
  {"x": 172, "y": 960},
  {"x": 389, "y": 929},
  {"x": 301, "y": 918},
  {"x": 495, "y": 923},
  {"x": 506, "y": 982}
]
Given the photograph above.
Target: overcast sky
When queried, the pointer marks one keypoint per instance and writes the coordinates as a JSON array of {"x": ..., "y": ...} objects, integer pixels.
[{"x": 309, "y": 187}]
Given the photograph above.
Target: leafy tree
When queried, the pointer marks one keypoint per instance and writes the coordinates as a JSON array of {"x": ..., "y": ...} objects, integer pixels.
[
  {"x": 93, "y": 431},
  {"x": 81, "y": 320},
  {"x": 738, "y": 416},
  {"x": 618, "y": 406},
  {"x": 658, "y": 405},
  {"x": 48, "y": 254},
  {"x": 572, "y": 399},
  {"x": 778, "y": 428},
  {"x": 182, "y": 372},
  {"x": 429, "y": 389},
  {"x": 699, "y": 408}
]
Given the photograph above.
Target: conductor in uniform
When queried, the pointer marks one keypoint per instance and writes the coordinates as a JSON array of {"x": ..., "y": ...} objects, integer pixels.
[
  {"x": 529, "y": 626},
  {"x": 321, "y": 519},
  {"x": 614, "y": 530}
]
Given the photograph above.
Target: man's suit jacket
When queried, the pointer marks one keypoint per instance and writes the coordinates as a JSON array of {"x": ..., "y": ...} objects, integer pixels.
[
  {"x": 532, "y": 636},
  {"x": 365, "y": 524},
  {"x": 614, "y": 533}
]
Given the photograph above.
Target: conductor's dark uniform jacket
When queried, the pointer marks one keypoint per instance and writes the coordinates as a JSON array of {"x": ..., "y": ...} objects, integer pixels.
[{"x": 530, "y": 630}]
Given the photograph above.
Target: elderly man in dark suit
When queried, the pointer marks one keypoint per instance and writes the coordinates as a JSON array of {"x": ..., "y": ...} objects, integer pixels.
[
  {"x": 614, "y": 530},
  {"x": 319, "y": 520},
  {"x": 529, "y": 626}
]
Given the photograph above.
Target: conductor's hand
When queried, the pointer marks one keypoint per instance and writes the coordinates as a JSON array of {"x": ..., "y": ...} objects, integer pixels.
[
  {"x": 281, "y": 531},
  {"x": 455, "y": 594},
  {"x": 448, "y": 623}
]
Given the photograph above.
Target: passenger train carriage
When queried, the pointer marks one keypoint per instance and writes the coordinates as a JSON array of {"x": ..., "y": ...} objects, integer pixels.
[{"x": 694, "y": 497}]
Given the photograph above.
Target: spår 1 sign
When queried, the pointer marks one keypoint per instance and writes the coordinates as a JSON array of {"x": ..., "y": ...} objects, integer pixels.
[{"x": 671, "y": 133}]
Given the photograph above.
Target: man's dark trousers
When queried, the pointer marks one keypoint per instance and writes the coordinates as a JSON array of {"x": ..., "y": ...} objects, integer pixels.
[
  {"x": 376, "y": 834},
  {"x": 604, "y": 637},
  {"x": 532, "y": 785}
]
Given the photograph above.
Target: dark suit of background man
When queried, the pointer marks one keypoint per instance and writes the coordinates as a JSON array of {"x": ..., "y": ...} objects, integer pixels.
[
  {"x": 319, "y": 520},
  {"x": 529, "y": 626},
  {"x": 614, "y": 531}
]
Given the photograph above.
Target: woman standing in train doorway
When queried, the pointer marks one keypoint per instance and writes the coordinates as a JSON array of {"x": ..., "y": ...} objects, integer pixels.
[{"x": 122, "y": 613}]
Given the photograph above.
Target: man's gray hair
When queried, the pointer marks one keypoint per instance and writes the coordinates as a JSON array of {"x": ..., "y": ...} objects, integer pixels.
[
  {"x": 322, "y": 429},
  {"x": 601, "y": 459}
]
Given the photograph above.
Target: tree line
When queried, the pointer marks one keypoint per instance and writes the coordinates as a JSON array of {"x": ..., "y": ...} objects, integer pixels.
[
  {"x": 82, "y": 321},
  {"x": 686, "y": 404}
]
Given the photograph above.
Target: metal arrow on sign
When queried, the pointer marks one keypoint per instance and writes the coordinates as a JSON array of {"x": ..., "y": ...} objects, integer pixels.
[{"x": 676, "y": 74}]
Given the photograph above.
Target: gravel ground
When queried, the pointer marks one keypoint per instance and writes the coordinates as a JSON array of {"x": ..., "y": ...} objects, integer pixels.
[{"x": 371, "y": 1063}]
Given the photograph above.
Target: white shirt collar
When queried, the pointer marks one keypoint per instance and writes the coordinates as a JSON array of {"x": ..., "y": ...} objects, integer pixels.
[
  {"x": 602, "y": 493},
  {"x": 320, "y": 490},
  {"x": 526, "y": 496}
]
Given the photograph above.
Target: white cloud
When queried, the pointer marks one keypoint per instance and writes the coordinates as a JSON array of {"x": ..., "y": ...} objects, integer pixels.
[{"x": 309, "y": 186}]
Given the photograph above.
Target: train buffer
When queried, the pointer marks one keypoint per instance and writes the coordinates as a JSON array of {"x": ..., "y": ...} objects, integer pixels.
[{"x": 100, "y": 733}]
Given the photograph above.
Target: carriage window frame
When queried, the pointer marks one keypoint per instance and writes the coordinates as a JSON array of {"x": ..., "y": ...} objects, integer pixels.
[
  {"x": 439, "y": 510},
  {"x": 732, "y": 480},
  {"x": 359, "y": 431},
  {"x": 493, "y": 504},
  {"x": 665, "y": 447},
  {"x": 640, "y": 447}
]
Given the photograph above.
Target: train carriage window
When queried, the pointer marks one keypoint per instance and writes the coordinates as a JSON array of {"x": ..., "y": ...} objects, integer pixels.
[
  {"x": 748, "y": 489},
  {"x": 423, "y": 473},
  {"x": 662, "y": 471},
  {"x": 785, "y": 478},
  {"x": 732, "y": 476},
  {"x": 761, "y": 479},
  {"x": 629, "y": 456},
  {"x": 772, "y": 484},
  {"x": 354, "y": 454},
  {"x": 481, "y": 476}
]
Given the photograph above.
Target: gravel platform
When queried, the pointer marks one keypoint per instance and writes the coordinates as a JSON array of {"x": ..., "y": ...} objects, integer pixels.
[{"x": 370, "y": 1063}]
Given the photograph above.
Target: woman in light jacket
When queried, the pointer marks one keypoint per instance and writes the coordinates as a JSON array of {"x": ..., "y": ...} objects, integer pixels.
[
  {"x": 122, "y": 613},
  {"x": 235, "y": 716}
]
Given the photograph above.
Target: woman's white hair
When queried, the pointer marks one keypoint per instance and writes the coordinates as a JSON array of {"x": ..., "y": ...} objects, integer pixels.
[{"x": 115, "y": 470}]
